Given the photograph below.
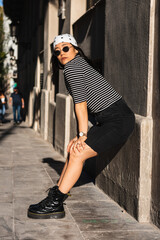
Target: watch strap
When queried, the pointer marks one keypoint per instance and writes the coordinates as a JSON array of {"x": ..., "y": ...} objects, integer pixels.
[{"x": 81, "y": 134}]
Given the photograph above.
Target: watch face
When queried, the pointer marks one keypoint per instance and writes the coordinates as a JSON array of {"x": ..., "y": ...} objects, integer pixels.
[{"x": 81, "y": 134}]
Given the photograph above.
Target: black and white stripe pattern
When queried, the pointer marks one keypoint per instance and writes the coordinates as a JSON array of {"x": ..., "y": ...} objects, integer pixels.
[{"x": 84, "y": 83}]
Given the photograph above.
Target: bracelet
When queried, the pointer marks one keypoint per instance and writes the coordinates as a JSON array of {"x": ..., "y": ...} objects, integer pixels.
[{"x": 81, "y": 134}]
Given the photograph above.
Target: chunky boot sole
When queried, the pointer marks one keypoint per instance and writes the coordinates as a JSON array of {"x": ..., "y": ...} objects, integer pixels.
[{"x": 55, "y": 215}]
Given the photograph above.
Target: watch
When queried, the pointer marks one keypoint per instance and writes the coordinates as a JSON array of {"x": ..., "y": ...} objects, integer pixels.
[{"x": 81, "y": 134}]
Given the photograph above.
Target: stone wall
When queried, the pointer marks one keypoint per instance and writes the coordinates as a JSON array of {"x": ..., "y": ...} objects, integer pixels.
[
  {"x": 51, "y": 123},
  {"x": 62, "y": 127},
  {"x": 127, "y": 26},
  {"x": 155, "y": 201},
  {"x": 115, "y": 34},
  {"x": 127, "y": 50},
  {"x": 122, "y": 39}
]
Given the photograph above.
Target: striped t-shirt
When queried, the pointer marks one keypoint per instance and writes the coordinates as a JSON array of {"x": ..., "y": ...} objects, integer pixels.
[{"x": 84, "y": 83}]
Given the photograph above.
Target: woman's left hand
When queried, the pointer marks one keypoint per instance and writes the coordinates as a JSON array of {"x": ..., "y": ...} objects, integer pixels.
[{"x": 79, "y": 144}]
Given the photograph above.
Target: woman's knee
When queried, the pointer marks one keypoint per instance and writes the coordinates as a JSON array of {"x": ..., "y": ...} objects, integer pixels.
[{"x": 76, "y": 157}]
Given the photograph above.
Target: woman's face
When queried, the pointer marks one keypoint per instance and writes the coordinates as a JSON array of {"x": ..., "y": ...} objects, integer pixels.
[{"x": 65, "y": 57}]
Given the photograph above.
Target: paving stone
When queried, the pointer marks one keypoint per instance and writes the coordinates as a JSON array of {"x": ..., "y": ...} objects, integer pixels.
[
  {"x": 52, "y": 229},
  {"x": 5, "y": 158},
  {"x": 28, "y": 167},
  {"x": 94, "y": 209},
  {"x": 107, "y": 223},
  {"x": 6, "y": 209},
  {"x": 6, "y": 230},
  {"x": 29, "y": 172},
  {"x": 88, "y": 193},
  {"x": 6, "y": 197},
  {"x": 6, "y": 176},
  {"x": 30, "y": 187},
  {"x": 121, "y": 235},
  {"x": 18, "y": 156},
  {"x": 9, "y": 238},
  {"x": 23, "y": 160}
]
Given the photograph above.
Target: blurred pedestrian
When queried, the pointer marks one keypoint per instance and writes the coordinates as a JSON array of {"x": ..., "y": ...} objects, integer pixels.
[
  {"x": 92, "y": 94},
  {"x": 17, "y": 103},
  {"x": 2, "y": 106}
]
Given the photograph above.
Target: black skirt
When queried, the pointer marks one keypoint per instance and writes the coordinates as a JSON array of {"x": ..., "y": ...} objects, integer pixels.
[{"x": 113, "y": 127}]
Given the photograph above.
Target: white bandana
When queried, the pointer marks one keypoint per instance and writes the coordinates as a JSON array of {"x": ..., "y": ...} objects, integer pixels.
[{"x": 64, "y": 38}]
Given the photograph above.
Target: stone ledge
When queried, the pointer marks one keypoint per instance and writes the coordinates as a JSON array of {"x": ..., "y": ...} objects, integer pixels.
[{"x": 127, "y": 178}]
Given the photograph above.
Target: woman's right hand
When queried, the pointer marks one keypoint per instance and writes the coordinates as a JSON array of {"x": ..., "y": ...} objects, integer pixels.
[{"x": 70, "y": 143}]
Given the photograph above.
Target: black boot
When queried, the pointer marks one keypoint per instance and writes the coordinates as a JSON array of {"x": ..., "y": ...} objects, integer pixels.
[{"x": 50, "y": 207}]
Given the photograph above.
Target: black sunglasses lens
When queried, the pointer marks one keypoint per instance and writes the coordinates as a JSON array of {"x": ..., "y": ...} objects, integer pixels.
[
  {"x": 56, "y": 53},
  {"x": 65, "y": 49}
]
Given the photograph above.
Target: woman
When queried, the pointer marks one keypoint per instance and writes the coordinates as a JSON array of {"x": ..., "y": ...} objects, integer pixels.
[{"x": 92, "y": 94}]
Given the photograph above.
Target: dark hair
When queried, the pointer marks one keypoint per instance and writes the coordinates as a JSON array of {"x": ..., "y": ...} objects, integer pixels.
[
  {"x": 56, "y": 65},
  {"x": 81, "y": 53}
]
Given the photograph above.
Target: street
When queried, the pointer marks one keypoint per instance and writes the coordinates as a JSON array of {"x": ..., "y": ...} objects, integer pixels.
[{"x": 28, "y": 167}]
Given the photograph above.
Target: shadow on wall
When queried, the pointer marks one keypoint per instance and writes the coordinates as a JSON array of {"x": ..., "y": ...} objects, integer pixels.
[
  {"x": 36, "y": 108},
  {"x": 101, "y": 162}
]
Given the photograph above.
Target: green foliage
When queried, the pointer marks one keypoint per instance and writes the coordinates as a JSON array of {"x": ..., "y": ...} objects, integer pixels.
[{"x": 2, "y": 53}]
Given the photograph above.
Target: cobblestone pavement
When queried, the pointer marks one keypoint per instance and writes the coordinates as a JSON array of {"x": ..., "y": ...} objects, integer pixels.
[{"x": 28, "y": 167}]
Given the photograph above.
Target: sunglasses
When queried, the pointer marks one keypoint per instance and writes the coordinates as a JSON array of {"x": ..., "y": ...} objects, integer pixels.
[{"x": 64, "y": 49}]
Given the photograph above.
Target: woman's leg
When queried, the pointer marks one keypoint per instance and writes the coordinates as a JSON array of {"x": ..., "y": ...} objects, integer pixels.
[
  {"x": 74, "y": 168},
  {"x": 52, "y": 206}
]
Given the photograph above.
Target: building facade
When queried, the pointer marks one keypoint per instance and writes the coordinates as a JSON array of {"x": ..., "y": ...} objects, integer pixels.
[{"x": 122, "y": 39}]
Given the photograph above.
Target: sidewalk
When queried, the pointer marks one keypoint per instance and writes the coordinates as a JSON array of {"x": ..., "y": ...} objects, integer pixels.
[{"x": 28, "y": 167}]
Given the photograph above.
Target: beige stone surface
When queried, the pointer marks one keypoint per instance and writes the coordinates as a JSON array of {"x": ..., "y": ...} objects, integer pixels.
[{"x": 30, "y": 168}]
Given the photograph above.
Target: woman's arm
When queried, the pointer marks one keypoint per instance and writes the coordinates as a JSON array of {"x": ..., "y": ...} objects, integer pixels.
[{"x": 82, "y": 118}]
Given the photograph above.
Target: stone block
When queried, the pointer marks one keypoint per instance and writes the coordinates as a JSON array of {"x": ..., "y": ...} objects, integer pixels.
[
  {"x": 36, "y": 111},
  {"x": 44, "y": 113},
  {"x": 125, "y": 175},
  {"x": 62, "y": 127},
  {"x": 6, "y": 225},
  {"x": 126, "y": 50},
  {"x": 29, "y": 117},
  {"x": 51, "y": 122}
]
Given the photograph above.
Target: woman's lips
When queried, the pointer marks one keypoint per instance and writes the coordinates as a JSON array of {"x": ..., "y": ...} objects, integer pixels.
[{"x": 64, "y": 58}]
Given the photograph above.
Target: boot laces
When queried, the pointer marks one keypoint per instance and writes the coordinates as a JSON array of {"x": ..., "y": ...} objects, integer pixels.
[{"x": 49, "y": 199}]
